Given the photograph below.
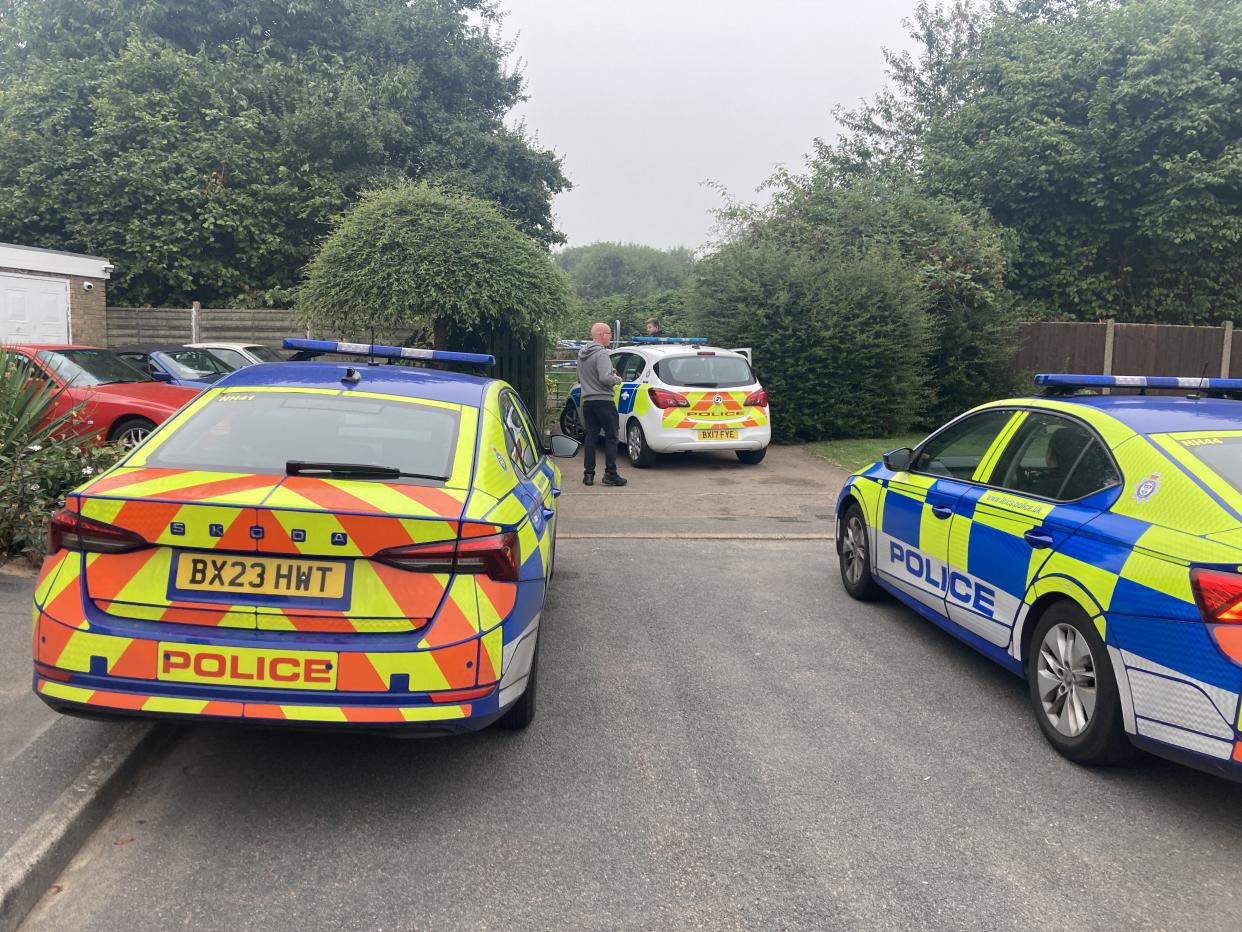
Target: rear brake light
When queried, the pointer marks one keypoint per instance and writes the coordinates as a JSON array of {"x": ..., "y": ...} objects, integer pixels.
[
  {"x": 498, "y": 556},
  {"x": 757, "y": 399},
  {"x": 662, "y": 398},
  {"x": 1218, "y": 594},
  {"x": 69, "y": 530},
  {"x": 705, "y": 353},
  {"x": 462, "y": 695}
]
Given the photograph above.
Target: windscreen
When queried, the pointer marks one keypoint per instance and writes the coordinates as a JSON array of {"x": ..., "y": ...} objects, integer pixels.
[
  {"x": 265, "y": 353},
  {"x": 91, "y": 367},
  {"x": 1222, "y": 455},
  {"x": 230, "y": 357},
  {"x": 197, "y": 365},
  {"x": 260, "y": 433},
  {"x": 705, "y": 371}
]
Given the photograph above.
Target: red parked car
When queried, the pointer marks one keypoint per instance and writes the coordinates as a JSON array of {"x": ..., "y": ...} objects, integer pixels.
[{"x": 119, "y": 403}]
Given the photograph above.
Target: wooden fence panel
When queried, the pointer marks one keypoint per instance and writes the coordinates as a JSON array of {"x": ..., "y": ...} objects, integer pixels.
[
  {"x": 1166, "y": 349},
  {"x": 1055, "y": 346},
  {"x": 126, "y": 325},
  {"x": 247, "y": 325}
]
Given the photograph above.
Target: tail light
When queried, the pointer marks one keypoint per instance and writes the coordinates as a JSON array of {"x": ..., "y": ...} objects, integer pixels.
[
  {"x": 1218, "y": 594},
  {"x": 69, "y": 530},
  {"x": 757, "y": 399},
  {"x": 498, "y": 556},
  {"x": 662, "y": 398}
]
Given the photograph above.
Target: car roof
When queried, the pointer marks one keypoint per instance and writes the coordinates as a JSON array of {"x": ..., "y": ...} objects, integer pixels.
[
  {"x": 1153, "y": 414},
  {"x": 404, "y": 381},
  {"x": 39, "y": 347},
  {"x": 670, "y": 349},
  {"x": 150, "y": 348}
]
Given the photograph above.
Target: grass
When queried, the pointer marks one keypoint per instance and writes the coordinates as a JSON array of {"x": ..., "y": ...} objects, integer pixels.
[{"x": 853, "y": 455}]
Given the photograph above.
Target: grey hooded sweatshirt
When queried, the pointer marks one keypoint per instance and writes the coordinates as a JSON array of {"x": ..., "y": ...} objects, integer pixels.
[{"x": 595, "y": 373}]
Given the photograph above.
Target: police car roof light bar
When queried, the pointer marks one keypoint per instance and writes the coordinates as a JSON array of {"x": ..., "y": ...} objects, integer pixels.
[
  {"x": 308, "y": 349},
  {"x": 668, "y": 340},
  {"x": 1070, "y": 380}
]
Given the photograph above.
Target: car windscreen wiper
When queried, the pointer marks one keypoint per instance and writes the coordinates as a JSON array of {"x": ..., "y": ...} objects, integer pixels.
[{"x": 353, "y": 471}]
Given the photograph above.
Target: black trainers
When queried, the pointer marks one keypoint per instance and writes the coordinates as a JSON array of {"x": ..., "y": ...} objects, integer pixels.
[
  {"x": 613, "y": 479},
  {"x": 588, "y": 478}
]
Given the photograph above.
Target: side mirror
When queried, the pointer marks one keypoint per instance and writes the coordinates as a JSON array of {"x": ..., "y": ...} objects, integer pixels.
[
  {"x": 899, "y": 460},
  {"x": 160, "y": 376},
  {"x": 560, "y": 445}
]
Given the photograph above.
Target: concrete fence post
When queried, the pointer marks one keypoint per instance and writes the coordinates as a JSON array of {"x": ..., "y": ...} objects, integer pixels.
[
  {"x": 1110, "y": 334},
  {"x": 1226, "y": 349},
  {"x": 195, "y": 309}
]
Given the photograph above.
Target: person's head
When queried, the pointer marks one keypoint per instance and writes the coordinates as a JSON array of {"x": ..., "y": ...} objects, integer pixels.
[
  {"x": 653, "y": 326},
  {"x": 601, "y": 334}
]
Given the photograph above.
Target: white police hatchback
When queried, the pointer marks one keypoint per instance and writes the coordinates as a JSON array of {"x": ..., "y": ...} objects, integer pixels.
[{"x": 679, "y": 395}]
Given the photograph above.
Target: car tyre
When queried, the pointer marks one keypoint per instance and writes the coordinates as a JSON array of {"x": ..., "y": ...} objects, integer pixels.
[
  {"x": 751, "y": 457},
  {"x": 130, "y": 431},
  {"x": 522, "y": 712},
  {"x": 571, "y": 422},
  {"x": 641, "y": 455},
  {"x": 1073, "y": 691},
  {"x": 854, "y": 552}
]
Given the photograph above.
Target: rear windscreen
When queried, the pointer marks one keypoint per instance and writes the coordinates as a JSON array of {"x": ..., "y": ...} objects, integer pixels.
[
  {"x": 1222, "y": 455},
  {"x": 238, "y": 432},
  {"x": 705, "y": 371}
]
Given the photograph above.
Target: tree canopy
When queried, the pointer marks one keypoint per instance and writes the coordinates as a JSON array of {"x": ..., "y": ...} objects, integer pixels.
[
  {"x": 1107, "y": 136},
  {"x": 206, "y": 145},
  {"x": 414, "y": 255}
]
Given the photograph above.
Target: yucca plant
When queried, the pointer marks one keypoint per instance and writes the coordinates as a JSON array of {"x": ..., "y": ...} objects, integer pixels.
[{"x": 43, "y": 456}]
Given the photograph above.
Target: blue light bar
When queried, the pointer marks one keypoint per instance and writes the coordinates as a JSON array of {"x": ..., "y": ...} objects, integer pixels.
[
  {"x": 1068, "y": 380},
  {"x": 389, "y": 352},
  {"x": 668, "y": 340}
]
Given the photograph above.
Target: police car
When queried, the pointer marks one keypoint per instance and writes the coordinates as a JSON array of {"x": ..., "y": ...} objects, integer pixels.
[
  {"x": 678, "y": 395},
  {"x": 360, "y": 546},
  {"x": 1089, "y": 543}
]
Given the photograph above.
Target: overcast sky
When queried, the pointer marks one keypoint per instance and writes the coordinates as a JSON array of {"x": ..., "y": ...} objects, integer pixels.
[{"x": 648, "y": 99}]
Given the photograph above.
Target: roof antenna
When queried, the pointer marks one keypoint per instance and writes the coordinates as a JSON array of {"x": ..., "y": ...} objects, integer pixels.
[
  {"x": 371, "y": 349},
  {"x": 1196, "y": 395}
]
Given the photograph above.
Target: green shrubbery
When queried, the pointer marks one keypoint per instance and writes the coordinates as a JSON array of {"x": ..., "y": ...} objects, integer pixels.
[{"x": 39, "y": 462}]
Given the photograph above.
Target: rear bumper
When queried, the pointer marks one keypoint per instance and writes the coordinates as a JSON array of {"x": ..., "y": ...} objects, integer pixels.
[
  {"x": 333, "y": 710},
  {"x": 682, "y": 440}
]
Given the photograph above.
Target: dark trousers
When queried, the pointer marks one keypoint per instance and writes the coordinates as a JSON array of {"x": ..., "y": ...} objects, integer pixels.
[{"x": 596, "y": 415}]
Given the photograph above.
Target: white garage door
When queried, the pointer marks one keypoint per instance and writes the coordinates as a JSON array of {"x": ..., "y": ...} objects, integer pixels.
[{"x": 33, "y": 310}]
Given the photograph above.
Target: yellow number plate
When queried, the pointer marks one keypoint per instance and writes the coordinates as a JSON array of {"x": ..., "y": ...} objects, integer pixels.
[
  {"x": 718, "y": 435},
  {"x": 247, "y": 666},
  {"x": 236, "y": 575}
]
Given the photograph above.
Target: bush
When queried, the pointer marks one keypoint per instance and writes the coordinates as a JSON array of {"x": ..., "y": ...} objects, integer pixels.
[
  {"x": 841, "y": 338},
  {"x": 41, "y": 460}
]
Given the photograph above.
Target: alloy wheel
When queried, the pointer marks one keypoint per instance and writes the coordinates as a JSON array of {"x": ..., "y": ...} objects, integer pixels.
[
  {"x": 1065, "y": 674},
  {"x": 133, "y": 436},
  {"x": 634, "y": 443},
  {"x": 854, "y": 549}
]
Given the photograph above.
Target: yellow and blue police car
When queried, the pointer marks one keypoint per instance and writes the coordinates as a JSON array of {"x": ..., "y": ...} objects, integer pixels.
[
  {"x": 363, "y": 546},
  {"x": 677, "y": 395},
  {"x": 1091, "y": 543}
]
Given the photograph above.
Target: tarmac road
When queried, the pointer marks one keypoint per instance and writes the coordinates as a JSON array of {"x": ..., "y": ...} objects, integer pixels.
[{"x": 724, "y": 740}]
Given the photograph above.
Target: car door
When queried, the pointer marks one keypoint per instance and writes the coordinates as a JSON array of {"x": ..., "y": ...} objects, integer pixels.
[
  {"x": 534, "y": 489},
  {"x": 1040, "y": 490},
  {"x": 912, "y": 550},
  {"x": 630, "y": 370}
]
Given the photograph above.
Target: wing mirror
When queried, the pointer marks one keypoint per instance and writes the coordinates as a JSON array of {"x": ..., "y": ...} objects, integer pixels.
[
  {"x": 160, "y": 376},
  {"x": 899, "y": 460},
  {"x": 560, "y": 445}
]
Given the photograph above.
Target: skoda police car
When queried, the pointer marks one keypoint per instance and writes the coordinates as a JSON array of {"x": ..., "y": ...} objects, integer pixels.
[
  {"x": 311, "y": 542},
  {"x": 1090, "y": 543},
  {"x": 677, "y": 395}
]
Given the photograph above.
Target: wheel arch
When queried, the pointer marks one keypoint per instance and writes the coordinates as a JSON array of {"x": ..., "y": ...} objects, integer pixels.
[{"x": 1043, "y": 594}]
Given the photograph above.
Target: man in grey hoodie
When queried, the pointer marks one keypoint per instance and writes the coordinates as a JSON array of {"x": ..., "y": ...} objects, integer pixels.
[{"x": 597, "y": 378}]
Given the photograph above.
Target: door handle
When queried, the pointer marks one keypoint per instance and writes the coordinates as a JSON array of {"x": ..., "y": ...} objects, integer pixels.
[
  {"x": 1038, "y": 539},
  {"x": 942, "y": 511}
]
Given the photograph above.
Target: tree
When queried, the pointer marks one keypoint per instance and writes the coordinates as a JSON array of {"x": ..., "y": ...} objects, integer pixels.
[
  {"x": 412, "y": 255},
  {"x": 601, "y": 270},
  {"x": 840, "y": 335},
  {"x": 1111, "y": 141},
  {"x": 206, "y": 145}
]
